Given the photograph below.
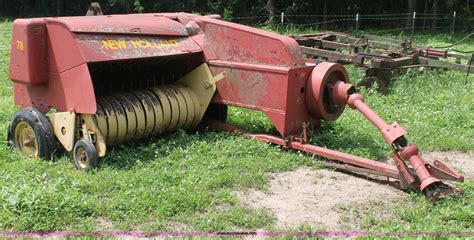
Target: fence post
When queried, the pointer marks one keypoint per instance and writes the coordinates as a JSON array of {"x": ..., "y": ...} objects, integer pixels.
[
  {"x": 454, "y": 21},
  {"x": 357, "y": 22},
  {"x": 282, "y": 20},
  {"x": 413, "y": 24}
]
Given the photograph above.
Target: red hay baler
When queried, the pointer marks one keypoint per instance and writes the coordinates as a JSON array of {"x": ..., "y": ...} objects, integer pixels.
[{"x": 88, "y": 83}]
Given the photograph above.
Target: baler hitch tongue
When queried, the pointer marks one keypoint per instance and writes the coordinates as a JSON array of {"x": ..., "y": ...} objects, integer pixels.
[{"x": 423, "y": 176}]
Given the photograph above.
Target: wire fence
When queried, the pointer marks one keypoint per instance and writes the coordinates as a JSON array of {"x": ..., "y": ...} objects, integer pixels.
[{"x": 392, "y": 22}]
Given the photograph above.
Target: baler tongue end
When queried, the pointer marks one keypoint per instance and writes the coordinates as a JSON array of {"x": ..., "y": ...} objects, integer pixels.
[
  {"x": 423, "y": 176},
  {"x": 440, "y": 190},
  {"x": 441, "y": 170}
]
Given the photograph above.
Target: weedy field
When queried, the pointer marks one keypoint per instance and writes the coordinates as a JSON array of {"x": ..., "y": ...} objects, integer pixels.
[{"x": 188, "y": 181}]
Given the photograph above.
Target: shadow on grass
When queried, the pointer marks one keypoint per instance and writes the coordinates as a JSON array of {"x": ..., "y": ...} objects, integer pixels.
[
  {"x": 128, "y": 155},
  {"x": 356, "y": 144}
]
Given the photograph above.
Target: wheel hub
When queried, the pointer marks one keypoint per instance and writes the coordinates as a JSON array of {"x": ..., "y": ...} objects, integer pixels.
[
  {"x": 25, "y": 140},
  {"x": 81, "y": 155}
]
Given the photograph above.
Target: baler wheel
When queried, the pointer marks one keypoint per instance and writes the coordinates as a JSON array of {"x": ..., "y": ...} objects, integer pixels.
[
  {"x": 85, "y": 155},
  {"x": 31, "y": 134}
]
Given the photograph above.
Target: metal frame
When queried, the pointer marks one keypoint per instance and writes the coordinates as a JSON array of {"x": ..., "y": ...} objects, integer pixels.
[{"x": 378, "y": 56}]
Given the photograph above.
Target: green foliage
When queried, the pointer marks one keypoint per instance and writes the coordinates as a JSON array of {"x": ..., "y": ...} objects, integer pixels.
[
  {"x": 227, "y": 14},
  {"x": 235, "y": 8},
  {"x": 452, "y": 214},
  {"x": 137, "y": 6}
]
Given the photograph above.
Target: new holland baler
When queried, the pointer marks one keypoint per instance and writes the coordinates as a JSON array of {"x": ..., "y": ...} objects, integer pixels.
[{"x": 85, "y": 84}]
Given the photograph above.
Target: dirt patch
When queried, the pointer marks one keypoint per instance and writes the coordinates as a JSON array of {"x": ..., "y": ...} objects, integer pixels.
[
  {"x": 177, "y": 226},
  {"x": 317, "y": 198},
  {"x": 104, "y": 225},
  {"x": 462, "y": 162}
]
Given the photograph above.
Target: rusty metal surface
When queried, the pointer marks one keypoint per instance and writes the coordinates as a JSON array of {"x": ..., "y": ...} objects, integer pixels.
[
  {"x": 139, "y": 24},
  {"x": 420, "y": 176},
  {"x": 378, "y": 54},
  {"x": 28, "y": 52},
  {"x": 371, "y": 166},
  {"x": 109, "y": 47},
  {"x": 441, "y": 170}
]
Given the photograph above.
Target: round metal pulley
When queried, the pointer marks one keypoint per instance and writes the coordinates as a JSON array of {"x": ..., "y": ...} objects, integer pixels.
[{"x": 319, "y": 97}]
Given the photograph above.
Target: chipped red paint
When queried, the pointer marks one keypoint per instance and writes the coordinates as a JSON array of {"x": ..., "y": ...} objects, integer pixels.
[
  {"x": 138, "y": 24},
  {"x": 107, "y": 47},
  {"x": 265, "y": 71}
]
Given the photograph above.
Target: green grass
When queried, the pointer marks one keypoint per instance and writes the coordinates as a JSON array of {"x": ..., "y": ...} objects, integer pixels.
[{"x": 188, "y": 179}]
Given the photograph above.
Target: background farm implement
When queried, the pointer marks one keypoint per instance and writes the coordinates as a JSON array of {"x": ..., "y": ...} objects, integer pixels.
[{"x": 381, "y": 57}]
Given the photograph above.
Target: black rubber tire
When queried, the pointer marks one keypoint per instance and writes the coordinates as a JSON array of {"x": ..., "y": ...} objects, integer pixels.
[
  {"x": 217, "y": 112},
  {"x": 91, "y": 159},
  {"x": 41, "y": 127}
]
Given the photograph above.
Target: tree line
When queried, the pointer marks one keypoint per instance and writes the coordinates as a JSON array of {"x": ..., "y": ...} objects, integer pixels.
[{"x": 231, "y": 9}]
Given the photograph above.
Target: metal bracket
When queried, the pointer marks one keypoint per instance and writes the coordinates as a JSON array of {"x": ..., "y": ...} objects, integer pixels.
[
  {"x": 92, "y": 133},
  {"x": 64, "y": 128},
  {"x": 208, "y": 83},
  {"x": 406, "y": 179},
  {"x": 202, "y": 85},
  {"x": 440, "y": 170}
]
